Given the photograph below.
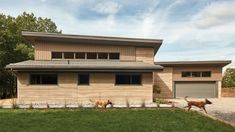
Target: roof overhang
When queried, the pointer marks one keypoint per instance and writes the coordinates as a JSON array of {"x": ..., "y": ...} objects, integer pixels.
[
  {"x": 83, "y": 66},
  {"x": 94, "y": 40},
  {"x": 221, "y": 63}
]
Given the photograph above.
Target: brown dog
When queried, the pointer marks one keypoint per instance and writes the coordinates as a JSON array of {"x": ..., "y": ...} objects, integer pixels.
[
  {"x": 199, "y": 104},
  {"x": 102, "y": 103}
]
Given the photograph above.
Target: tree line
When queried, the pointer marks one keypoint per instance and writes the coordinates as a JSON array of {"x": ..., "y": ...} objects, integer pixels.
[{"x": 13, "y": 48}]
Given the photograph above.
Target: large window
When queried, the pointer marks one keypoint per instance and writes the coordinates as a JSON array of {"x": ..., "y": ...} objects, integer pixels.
[
  {"x": 196, "y": 74},
  {"x": 56, "y": 55},
  {"x": 83, "y": 79},
  {"x": 43, "y": 79},
  {"x": 128, "y": 79}
]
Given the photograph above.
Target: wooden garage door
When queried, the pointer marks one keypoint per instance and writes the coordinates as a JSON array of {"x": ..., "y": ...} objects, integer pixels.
[{"x": 196, "y": 89}]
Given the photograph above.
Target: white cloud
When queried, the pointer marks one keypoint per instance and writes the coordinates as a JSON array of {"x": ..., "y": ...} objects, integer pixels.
[
  {"x": 107, "y": 8},
  {"x": 218, "y": 13}
]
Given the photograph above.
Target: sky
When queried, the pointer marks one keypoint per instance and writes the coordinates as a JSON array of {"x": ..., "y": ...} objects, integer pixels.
[{"x": 190, "y": 29}]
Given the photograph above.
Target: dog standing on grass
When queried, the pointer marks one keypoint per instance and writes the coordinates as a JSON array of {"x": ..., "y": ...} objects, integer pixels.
[
  {"x": 102, "y": 103},
  {"x": 199, "y": 104}
]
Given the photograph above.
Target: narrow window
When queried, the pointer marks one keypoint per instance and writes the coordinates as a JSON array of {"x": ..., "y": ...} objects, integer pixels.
[
  {"x": 128, "y": 79},
  {"x": 114, "y": 56},
  {"x": 196, "y": 74},
  {"x": 68, "y": 55},
  {"x": 91, "y": 55},
  {"x": 186, "y": 74},
  {"x": 80, "y": 55},
  {"x": 83, "y": 79},
  {"x": 102, "y": 55},
  {"x": 206, "y": 74},
  {"x": 56, "y": 55},
  {"x": 43, "y": 79}
]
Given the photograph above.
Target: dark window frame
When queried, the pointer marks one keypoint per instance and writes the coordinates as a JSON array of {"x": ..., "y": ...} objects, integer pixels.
[
  {"x": 99, "y": 54},
  {"x": 114, "y": 58},
  {"x": 68, "y": 53},
  {"x": 84, "y": 53},
  {"x": 41, "y": 78},
  {"x": 87, "y": 55},
  {"x": 131, "y": 76},
  {"x": 53, "y": 52},
  {"x": 79, "y": 80},
  {"x": 193, "y": 72}
]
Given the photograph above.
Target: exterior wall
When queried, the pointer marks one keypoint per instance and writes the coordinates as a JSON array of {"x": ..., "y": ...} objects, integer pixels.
[
  {"x": 216, "y": 73},
  {"x": 163, "y": 79},
  {"x": 102, "y": 86},
  {"x": 43, "y": 50},
  {"x": 145, "y": 55},
  {"x": 219, "y": 88}
]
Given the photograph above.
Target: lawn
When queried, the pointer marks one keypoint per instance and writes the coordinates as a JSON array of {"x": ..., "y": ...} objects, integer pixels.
[{"x": 109, "y": 120}]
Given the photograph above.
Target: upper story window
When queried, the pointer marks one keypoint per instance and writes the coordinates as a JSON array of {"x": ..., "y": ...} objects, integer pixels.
[
  {"x": 80, "y": 55},
  {"x": 134, "y": 79},
  {"x": 56, "y": 55},
  {"x": 114, "y": 56},
  {"x": 102, "y": 55},
  {"x": 196, "y": 74},
  {"x": 91, "y": 55},
  {"x": 84, "y": 55},
  {"x": 68, "y": 55},
  {"x": 43, "y": 79}
]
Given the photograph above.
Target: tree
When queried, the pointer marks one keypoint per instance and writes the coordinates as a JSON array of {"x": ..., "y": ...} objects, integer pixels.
[
  {"x": 229, "y": 78},
  {"x": 13, "y": 48}
]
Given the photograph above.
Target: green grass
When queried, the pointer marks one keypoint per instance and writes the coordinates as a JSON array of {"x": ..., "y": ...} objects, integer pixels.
[{"x": 120, "y": 120}]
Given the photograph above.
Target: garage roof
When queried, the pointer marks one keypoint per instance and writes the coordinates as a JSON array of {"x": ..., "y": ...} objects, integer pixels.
[{"x": 194, "y": 63}]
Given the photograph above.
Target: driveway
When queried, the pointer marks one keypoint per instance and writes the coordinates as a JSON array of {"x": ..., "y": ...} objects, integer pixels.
[{"x": 223, "y": 108}]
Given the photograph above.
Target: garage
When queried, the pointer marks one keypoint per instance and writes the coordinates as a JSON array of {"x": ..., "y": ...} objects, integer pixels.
[{"x": 196, "y": 89}]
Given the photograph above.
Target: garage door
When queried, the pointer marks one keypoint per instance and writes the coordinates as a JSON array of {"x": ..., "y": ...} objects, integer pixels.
[{"x": 196, "y": 89}]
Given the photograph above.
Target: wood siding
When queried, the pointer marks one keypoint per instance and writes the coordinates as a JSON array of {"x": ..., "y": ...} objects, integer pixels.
[
  {"x": 102, "y": 86},
  {"x": 43, "y": 50},
  {"x": 164, "y": 80},
  {"x": 145, "y": 55}
]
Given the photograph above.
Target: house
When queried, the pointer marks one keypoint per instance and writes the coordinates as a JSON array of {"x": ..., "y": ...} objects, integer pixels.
[{"x": 83, "y": 68}]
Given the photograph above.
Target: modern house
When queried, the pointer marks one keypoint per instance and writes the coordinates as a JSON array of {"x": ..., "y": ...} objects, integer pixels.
[{"x": 83, "y": 68}]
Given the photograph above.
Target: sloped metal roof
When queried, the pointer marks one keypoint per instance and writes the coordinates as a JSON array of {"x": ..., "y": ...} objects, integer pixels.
[{"x": 82, "y": 65}]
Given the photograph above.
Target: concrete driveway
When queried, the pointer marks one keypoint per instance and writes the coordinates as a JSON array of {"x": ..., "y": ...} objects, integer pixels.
[{"x": 223, "y": 108}]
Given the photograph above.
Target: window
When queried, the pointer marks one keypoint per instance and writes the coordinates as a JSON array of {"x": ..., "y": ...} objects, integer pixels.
[
  {"x": 206, "y": 74},
  {"x": 80, "y": 55},
  {"x": 43, "y": 79},
  {"x": 102, "y": 55},
  {"x": 196, "y": 74},
  {"x": 128, "y": 79},
  {"x": 186, "y": 74},
  {"x": 114, "y": 56},
  {"x": 68, "y": 55},
  {"x": 83, "y": 79},
  {"x": 91, "y": 55},
  {"x": 56, "y": 55}
]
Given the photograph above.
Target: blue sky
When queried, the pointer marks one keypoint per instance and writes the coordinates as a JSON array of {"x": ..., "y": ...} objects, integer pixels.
[{"x": 191, "y": 29}]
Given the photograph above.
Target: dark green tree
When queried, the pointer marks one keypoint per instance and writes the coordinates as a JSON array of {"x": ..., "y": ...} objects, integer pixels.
[
  {"x": 13, "y": 48},
  {"x": 229, "y": 78}
]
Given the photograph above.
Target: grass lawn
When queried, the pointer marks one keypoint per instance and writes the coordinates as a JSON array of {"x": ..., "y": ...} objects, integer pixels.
[{"x": 110, "y": 120}]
